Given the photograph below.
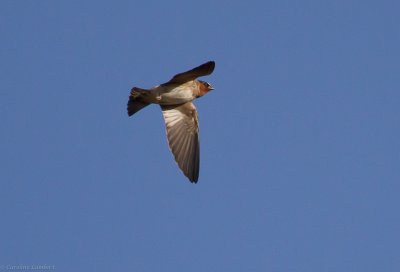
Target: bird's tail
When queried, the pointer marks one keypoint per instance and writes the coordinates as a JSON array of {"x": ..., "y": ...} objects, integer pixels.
[{"x": 136, "y": 101}]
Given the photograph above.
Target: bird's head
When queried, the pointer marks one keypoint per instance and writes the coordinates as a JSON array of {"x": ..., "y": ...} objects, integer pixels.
[{"x": 206, "y": 85}]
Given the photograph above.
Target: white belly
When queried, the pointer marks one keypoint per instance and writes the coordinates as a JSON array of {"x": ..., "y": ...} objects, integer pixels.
[{"x": 178, "y": 95}]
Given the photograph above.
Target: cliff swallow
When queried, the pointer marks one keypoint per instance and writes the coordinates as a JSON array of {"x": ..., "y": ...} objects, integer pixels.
[{"x": 175, "y": 98}]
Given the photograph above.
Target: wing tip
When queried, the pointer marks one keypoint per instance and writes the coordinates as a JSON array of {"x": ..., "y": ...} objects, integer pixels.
[
  {"x": 210, "y": 65},
  {"x": 194, "y": 178},
  {"x": 193, "y": 181}
]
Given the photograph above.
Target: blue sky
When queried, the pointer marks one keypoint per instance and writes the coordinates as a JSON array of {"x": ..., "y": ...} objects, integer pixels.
[{"x": 299, "y": 141}]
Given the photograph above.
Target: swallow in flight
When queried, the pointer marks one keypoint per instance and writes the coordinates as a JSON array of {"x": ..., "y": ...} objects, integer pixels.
[{"x": 175, "y": 98}]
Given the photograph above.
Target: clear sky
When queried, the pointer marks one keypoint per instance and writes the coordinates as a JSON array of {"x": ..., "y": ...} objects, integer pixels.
[{"x": 299, "y": 141}]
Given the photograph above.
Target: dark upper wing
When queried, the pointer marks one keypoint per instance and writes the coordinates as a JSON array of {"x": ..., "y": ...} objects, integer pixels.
[
  {"x": 183, "y": 137},
  {"x": 202, "y": 70}
]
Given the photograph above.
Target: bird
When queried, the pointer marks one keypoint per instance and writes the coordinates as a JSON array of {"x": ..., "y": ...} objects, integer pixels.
[{"x": 175, "y": 98}]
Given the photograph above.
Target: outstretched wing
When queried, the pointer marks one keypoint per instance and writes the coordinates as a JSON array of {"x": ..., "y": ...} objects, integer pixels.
[
  {"x": 183, "y": 137},
  {"x": 202, "y": 70}
]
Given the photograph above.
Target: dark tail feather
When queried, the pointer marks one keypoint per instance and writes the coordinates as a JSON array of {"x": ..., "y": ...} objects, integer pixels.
[{"x": 136, "y": 102}]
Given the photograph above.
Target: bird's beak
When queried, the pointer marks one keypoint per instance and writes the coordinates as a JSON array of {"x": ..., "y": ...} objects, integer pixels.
[{"x": 211, "y": 88}]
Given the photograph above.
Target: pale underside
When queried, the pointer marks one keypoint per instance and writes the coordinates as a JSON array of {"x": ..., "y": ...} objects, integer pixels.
[{"x": 172, "y": 95}]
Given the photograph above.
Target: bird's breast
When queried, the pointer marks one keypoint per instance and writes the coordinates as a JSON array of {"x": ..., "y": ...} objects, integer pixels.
[{"x": 173, "y": 96}]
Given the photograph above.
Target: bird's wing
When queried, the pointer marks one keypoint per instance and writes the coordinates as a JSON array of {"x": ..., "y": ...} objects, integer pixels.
[
  {"x": 202, "y": 70},
  {"x": 183, "y": 137}
]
